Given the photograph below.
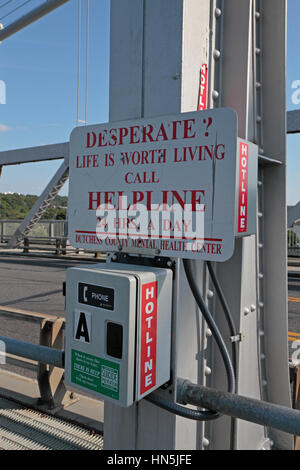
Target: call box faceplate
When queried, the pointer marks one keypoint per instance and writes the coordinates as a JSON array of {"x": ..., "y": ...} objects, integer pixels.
[{"x": 118, "y": 330}]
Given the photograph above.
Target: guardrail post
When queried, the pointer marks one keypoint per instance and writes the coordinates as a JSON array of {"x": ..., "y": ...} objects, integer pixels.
[
  {"x": 50, "y": 378},
  {"x": 26, "y": 245},
  {"x": 64, "y": 246},
  {"x": 58, "y": 246}
]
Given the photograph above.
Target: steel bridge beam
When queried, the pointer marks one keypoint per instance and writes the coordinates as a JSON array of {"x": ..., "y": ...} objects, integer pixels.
[
  {"x": 35, "y": 154},
  {"x": 30, "y": 17}
]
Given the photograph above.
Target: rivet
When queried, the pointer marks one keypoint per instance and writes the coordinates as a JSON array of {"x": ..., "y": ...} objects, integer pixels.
[
  {"x": 257, "y": 51},
  {"x": 252, "y": 308},
  {"x": 208, "y": 332},
  {"x": 246, "y": 311},
  {"x": 257, "y": 15},
  {"x": 260, "y": 245},
  {"x": 261, "y": 305},
  {"x": 209, "y": 294},
  {"x": 261, "y": 151},
  {"x": 265, "y": 383},
  {"x": 263, "y": 356},
  {"x": 215, "y": 94},
  {"x": 217, "y": 54},
  {"x": 114, "y": 257},
  {"x": 205, "y": 442},
  {"x": 258, "y": 119},
  {"x": 218, "y": 12},
  {"x": 258, "y": 85},
  {"x": 207, "y": 370},
  {"x": 260, "y": 275},
  {"x": 261, "y": 332},
  {"x": 260, "y": 214},
  {"x": 259, "y": 183}
]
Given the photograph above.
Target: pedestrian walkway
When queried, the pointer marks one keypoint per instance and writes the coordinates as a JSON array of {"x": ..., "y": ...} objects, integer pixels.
[{"x": 25, "y": 429}]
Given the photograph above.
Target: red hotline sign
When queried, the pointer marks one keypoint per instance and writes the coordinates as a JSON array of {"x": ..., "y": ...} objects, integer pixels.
[
  {"x": 202, "y": 105},
  {"x": 148, "y": 337},
  {"x": 243, "y": 188}
]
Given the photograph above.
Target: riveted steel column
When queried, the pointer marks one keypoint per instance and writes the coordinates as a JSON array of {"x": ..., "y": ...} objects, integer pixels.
[
  {"x": 254, "y": 280},
  {"x": 157, "y": 50}
]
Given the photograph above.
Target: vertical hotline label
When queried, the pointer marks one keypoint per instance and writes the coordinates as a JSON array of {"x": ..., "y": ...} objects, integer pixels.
[
  {"x": 243, "y": 188},
  {"x": 148, "y": 337},
  {"x": 202, "y": 105}
]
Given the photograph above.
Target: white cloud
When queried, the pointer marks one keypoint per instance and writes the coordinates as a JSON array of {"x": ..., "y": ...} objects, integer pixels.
[{"x": 4, "y": 128}]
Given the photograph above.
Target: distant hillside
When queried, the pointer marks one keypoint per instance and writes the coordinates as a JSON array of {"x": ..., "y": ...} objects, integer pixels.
[{"x": 17, "y": 206}]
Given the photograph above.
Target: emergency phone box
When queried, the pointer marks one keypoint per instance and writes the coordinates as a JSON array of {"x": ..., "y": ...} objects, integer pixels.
[{"x": 118, "y": 330}]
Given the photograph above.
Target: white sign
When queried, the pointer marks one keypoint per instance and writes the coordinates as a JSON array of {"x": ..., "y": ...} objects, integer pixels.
[{"x": 164, "y": 185}]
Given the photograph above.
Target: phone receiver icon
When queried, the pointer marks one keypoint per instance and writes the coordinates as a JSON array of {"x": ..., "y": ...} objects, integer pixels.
[{"x": 85, "y": 289}]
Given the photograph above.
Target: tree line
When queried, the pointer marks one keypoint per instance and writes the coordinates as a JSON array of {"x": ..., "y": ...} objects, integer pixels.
[{"x": 17, "y": 206}]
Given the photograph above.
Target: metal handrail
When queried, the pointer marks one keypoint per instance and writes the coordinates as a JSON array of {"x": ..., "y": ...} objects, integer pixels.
[{"x": 245, "y": 408}]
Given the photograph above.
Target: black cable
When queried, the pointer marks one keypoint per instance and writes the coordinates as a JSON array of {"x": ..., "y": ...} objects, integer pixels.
[
  {"x": 233, "y": 332},
  {"x": 230, "y": 321},
  {"x": 206, "y": 415},
  {"x": 211, "y": 324}
]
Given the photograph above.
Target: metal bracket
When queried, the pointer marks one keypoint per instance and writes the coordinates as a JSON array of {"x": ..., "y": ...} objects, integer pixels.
[{"x": 237, "y": 338}]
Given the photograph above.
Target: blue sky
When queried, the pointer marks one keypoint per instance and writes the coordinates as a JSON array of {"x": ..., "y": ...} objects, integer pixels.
[{"x": 39, "y": 67}]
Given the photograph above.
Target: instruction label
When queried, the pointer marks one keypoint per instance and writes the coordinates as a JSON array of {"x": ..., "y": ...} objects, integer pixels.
[{"x": 95, "y": 373}]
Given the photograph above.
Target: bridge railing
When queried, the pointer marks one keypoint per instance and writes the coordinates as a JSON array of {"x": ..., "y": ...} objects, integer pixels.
[
  {"x": 51, "y": 335},
  {"x": 44, "y": 228}
]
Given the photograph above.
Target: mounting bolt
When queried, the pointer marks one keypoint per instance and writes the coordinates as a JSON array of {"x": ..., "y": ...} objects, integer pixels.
[
  {"x": 207, "y": 370},
  {"x": 246, "y": 311},
  {"x": 252, "y": 308},
  {"x": 114, "y": 258},
  {"x": 257, "y": 51},
  {"x": 215, "y": 94},
  {"x": 257, "y": 15},
  {"x": 169, "y": 264}
]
